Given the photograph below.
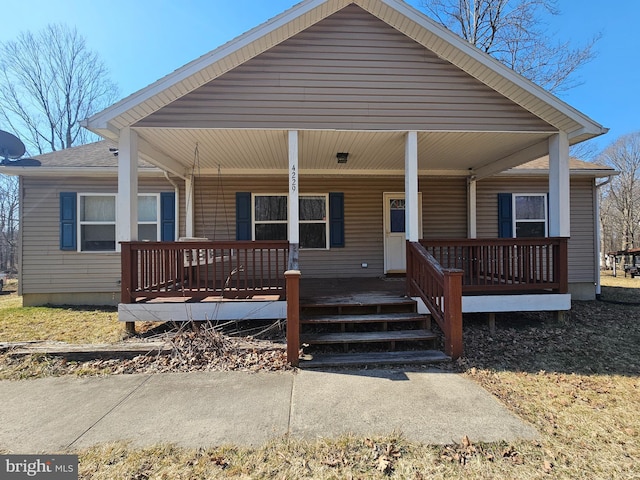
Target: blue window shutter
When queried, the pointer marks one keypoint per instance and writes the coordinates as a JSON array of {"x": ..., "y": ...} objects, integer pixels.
[
  {"x": 68, "y": 237},
  {"x": 336, "y": 219},
  {"x": 167, "y": 216},
  {"x": 505, "y": 215},
  {"x": 243, "y": 216}
]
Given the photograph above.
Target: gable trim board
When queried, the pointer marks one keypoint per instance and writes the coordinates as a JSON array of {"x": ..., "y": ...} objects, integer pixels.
[
  {"x": 350, "y": 71},
  {"x": 400, "y": 16}
]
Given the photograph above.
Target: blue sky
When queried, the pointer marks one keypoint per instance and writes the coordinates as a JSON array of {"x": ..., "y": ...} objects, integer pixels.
[{"x": 143, "y": 40}]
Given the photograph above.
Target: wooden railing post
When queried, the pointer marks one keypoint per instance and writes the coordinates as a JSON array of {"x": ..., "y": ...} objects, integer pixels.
[
  {"x": 562, "y": 265},
  {"x": 453, "y": 345},
  {"x": 126, "y": 274},
  {"x": 293, "y": 316},
  {"x": 126, "y": 280},
  {"x": 409, "y": 276}
]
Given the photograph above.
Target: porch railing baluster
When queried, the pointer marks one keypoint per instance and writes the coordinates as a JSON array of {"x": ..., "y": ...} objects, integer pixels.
[
  {"x": 198, "y": 269},
  {"x": 506, "y": 264}
]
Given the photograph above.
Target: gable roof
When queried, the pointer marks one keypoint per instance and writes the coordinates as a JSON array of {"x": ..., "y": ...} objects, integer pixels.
[{"x": 396, "y": 13}]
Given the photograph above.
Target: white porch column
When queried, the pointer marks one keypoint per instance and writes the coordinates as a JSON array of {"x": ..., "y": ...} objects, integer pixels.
[
  {"x": 127, "y": 202},
  {"x": 559, "y": 208},
  {"x": 294, "y": 207},
  {"x": 472, "y": 206},
  {"x": 189, "y": 206},
  {"x": 412, "y": 206}
]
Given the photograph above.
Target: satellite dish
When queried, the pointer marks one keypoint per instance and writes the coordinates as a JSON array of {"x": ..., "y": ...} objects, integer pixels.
[{"x": 12, "y": 148}]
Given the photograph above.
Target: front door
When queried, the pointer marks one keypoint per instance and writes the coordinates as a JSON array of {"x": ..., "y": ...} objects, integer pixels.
[{"x": 395, "y": 241}]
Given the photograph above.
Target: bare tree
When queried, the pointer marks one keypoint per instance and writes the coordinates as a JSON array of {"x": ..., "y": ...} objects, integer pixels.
[
  {"x": 622, "y": 199},
  {"x": 514, "y": 32},
  {"x": 9, "y": 222},
  {"x": 49, "y": 81}
]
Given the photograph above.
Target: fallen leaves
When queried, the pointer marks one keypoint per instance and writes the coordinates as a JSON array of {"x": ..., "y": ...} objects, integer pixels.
[
  {"x": 383, "y": 456},
  {"x": 462, "y": 453},
  {"x": 204, "y": 350}
]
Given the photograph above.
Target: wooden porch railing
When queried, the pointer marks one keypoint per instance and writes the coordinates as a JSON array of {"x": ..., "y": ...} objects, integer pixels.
[
  {"x": 441, "y": 291},
  {"x": 200, "y": 269},
  {"x": 505, "y": 265}
]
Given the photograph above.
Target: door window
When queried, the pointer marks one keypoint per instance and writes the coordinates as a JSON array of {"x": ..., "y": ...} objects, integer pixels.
[{"x": 397, "y": 215}]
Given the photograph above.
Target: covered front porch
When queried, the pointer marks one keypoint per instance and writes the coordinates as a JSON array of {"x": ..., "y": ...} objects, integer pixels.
[{"x": 200, "y": 280}]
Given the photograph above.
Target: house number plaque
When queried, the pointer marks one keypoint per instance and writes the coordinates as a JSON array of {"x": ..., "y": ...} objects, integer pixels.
[{"x": 294, "y": 179}]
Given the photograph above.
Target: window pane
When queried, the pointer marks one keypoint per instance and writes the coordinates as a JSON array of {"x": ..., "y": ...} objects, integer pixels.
[
  {"x": 313, "y": 208},
  {"x": 271, "y": 231},
  {"x": 98, "y": 238},
  {"x": 397, "y": 203},
  {"x": 529, "y": 229},
  {"x": 397, "y": 220},
  {"x": 147, "y": 208},
  {"x": 148, "y": 232},
  {"x": 529, "y": 207},
  {"x": 313, "y": 235},
  {"x": 98, "y": 208},
  {"x": 270, "y": 208}
]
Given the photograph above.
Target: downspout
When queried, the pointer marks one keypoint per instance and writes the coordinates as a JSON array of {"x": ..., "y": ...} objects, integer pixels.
[
  {"x": 21, "y": 190},
  {"x": 176, "y": 190},
  {"x": 598, "y": 236}
]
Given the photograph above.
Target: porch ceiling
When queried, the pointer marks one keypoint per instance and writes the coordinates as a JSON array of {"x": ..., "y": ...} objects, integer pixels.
[{"x": 370, "y": 153}]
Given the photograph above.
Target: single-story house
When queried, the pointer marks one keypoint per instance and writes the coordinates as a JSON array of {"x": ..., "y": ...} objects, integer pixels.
[{"x": 342, "y": 139}]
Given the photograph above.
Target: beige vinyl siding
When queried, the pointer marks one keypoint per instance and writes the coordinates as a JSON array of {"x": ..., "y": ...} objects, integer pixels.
[
  {"x": 444, "y": 207},
  {"x": 582, "y": 242},
  {"x": 47, "y": 269},
  {"x": 582, "y": 253},
  {"x": 363, "y": 210},
  {"x": 350, "y": 71}
]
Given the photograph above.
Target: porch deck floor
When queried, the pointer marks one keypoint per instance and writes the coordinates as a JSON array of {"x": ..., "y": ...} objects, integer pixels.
[
  {"x": 210, "y": 299},
  {"x": 365, "y": 290}
]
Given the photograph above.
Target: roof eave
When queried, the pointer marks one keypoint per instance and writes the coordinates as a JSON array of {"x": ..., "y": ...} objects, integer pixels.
[
  {"x": 74, "y": 171},
  {"x": 538, "y": 172}
]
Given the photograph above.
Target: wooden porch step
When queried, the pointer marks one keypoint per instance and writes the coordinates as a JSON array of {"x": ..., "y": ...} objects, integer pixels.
[
  {"x": 367, "y": 337},
  {"x": 418, "y": 357},
  {"x": 348, "y": 306},
  {"x": 371, "y": 318}
]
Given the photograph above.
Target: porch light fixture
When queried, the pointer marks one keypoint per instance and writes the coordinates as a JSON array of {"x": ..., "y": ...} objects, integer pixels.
[{"x": 342, "y": 157}]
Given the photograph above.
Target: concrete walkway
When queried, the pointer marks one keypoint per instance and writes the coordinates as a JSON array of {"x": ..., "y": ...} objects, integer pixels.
[{"x": 212, "y": 408}]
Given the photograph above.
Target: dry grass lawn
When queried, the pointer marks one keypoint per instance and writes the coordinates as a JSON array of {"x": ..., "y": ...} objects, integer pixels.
[
  {"x": 577, "y": 382},
  {"x": 62, "y": 324}
]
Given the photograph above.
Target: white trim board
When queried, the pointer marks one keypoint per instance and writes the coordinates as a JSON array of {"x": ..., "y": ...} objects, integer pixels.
[
  {"x": 203, "y": 311},
  {"x": 548, "y": 302}
]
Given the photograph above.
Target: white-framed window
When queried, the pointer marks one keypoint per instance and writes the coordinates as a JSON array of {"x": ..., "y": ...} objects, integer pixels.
[
  {"x": 270, "y": 215},
  {"x": 314, "y": 228},
  {"x": 530, "y": 215},
  {"x": 97, "y": 220}
]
